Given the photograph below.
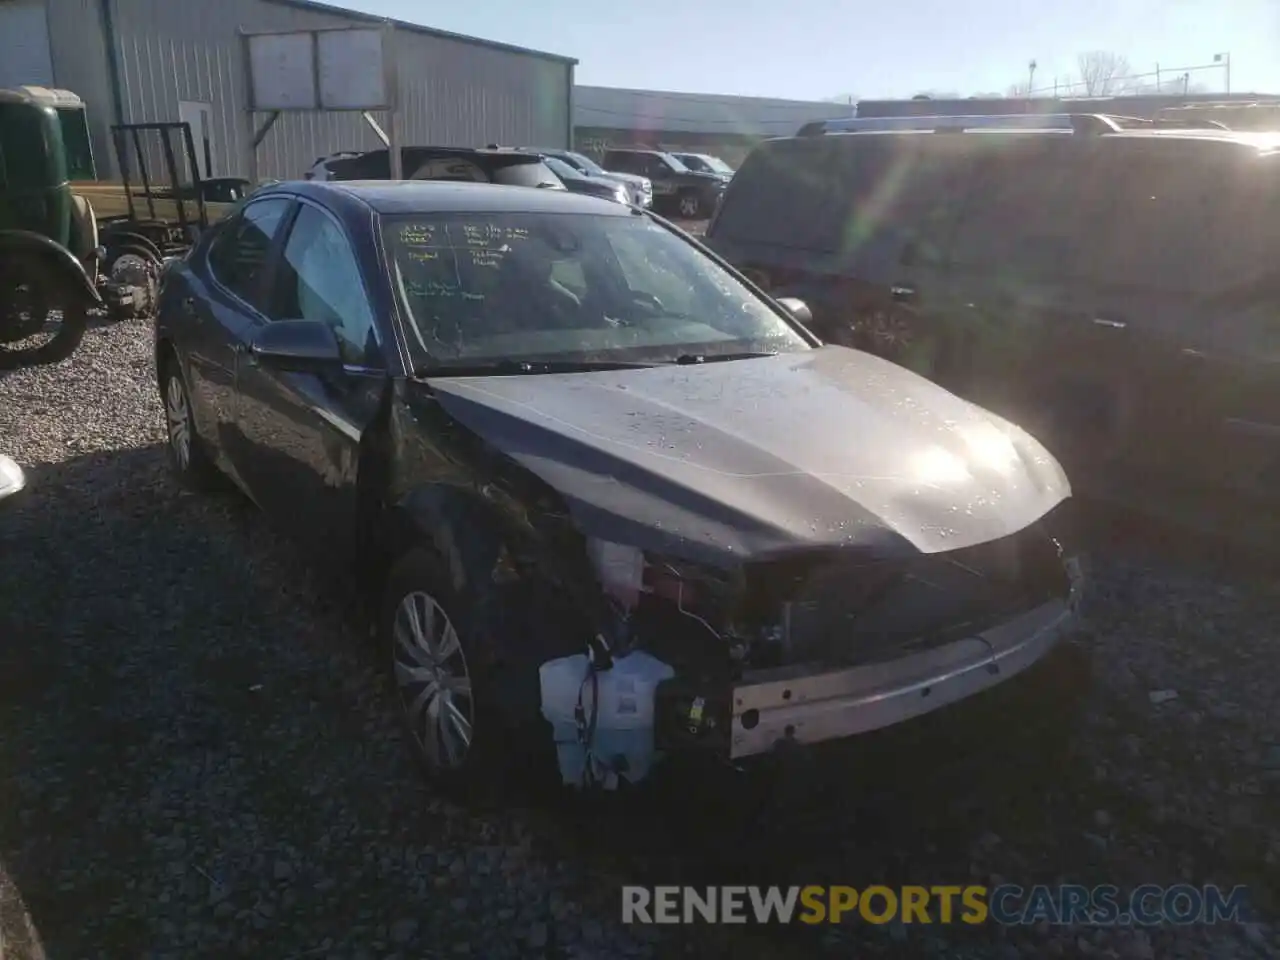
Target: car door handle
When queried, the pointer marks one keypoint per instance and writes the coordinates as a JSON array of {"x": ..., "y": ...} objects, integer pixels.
[{"x": 1112, "y": 324}]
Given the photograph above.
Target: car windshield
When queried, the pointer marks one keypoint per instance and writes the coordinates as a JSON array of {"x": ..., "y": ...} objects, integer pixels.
[
  {"x": 530, "y": 287},
  {"x": 585, "y": 164},
  {"x": 562, "y": 169},
  {"x": 715, "y": 164}
]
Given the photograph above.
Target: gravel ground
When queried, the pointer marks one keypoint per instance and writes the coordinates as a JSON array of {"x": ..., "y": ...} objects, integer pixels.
[{"x": 199, "y": 758}]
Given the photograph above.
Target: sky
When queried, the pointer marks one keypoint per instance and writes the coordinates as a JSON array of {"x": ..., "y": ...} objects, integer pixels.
[{"x": 817, "y": 49}]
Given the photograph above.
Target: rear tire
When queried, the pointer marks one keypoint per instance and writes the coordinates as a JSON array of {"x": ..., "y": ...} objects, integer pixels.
[
  {"x": 30, "y": 292},
  {"x": 188, "y": 458}
]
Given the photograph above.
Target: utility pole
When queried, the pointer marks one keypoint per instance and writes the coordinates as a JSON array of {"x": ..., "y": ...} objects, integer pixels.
[{"x": 1225, "y": 60}]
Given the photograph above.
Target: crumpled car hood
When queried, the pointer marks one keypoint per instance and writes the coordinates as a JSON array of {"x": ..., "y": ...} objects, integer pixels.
[{"x": 736, "y": 460}]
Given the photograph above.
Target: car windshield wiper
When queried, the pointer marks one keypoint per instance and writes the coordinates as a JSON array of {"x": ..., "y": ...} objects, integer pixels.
[
  {"x": 515, "y": 368},
  {"x": 689, "y": 358}
]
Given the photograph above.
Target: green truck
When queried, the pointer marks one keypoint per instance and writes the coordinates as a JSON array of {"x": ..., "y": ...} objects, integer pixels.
[{"x": 71, "y": 245}]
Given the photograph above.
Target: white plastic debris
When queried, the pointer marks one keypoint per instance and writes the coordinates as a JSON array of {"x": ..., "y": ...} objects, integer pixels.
[{"x": 1158, "y": 697}]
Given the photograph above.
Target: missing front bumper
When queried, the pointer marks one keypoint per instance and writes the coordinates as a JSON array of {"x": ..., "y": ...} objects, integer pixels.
[{"x": 793, "y": 705}]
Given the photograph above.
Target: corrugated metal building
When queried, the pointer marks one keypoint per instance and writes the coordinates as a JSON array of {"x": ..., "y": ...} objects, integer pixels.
[
  {"x": 696, "y": 122},
  {"x": 157, "y": 60}
]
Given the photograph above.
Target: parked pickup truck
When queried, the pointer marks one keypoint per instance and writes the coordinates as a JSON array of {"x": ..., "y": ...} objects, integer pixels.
[{"x": 677, "y": 190}]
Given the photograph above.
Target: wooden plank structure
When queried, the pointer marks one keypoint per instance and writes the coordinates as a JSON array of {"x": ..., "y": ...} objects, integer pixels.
[{"x": 109, "y": 200}]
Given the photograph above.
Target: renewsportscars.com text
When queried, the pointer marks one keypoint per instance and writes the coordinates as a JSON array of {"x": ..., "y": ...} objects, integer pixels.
[{"x": 1008, "y": 905}]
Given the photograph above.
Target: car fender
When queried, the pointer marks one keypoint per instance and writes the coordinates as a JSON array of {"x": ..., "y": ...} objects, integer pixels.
[
  {"x": 467, "y": 536},
  {"x": 485, "y": 538},
  {"x": 26, "y": 243}
]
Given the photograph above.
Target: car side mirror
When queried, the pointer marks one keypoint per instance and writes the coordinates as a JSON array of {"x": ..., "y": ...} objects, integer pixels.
[
  {"x": 302, "y": 345},
  {"x": 12, "y": 482},
  {"x": 798, "y": 309}
]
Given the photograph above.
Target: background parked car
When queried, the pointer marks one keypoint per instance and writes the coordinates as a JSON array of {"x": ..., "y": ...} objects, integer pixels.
[
  {"x": 677, "y": 190},
  {"x": 705, "y": 163},
  {"x": 576, "y": 182},
  {"x": 481, "y": 165},
  {"x": 640, "y": 187},
  {"x": 1114, "y": 292}
]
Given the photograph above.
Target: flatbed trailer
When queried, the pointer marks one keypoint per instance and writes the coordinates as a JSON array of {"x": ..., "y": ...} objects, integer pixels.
[
  {"x": 111, "y": 203},
  {"x": 71, "y": 244}
]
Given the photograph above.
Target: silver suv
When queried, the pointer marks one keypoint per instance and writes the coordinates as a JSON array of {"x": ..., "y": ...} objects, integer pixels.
[{"x": 641, "y": 188}]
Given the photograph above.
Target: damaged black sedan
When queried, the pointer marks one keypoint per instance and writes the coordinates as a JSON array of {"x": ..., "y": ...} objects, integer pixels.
[{"x": 607, "y": 499}]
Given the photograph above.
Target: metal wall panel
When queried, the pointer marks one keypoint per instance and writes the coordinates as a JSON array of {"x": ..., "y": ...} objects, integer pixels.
[
  {"x": 25, "y": 58},
  {"x": 80, "y": 65},
  {"x": 452, "y": 92}
]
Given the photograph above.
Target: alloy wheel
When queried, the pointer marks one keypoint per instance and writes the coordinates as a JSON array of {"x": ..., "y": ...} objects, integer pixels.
[
  {"x": 433, "y": 681},
  {"x": 689, "y": 205},
  {"x": 178, "y": 417}
]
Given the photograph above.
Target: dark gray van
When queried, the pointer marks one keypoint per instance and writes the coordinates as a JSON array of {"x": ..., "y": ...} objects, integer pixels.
[{"x": 1117, "y": 293}]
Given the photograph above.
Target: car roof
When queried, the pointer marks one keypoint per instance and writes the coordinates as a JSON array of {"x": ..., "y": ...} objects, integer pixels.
[
  {"x": 1261, "y": 140},
  {"x": 421, "y": 150},
  {"x": 1264, "y": 143},
  {"x": 448, "y": 196}
]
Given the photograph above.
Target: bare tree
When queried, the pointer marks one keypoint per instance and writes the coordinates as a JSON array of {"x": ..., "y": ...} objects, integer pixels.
[
  {"x": 1019, "y": 91},
  {"x": 1103, "y": 73}
]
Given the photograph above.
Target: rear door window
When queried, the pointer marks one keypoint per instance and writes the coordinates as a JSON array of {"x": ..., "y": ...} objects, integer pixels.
[
  {"x": 900, "y": 200},
  {"x": 783, "y": 196},
  {"x": 862, "y": 198},
  {"x": 1192, "y": 216},
  {"x": 1246, "y": 224},
  {"x": 1024, "y": 210},
  {"x": 1159, "y": 215}
]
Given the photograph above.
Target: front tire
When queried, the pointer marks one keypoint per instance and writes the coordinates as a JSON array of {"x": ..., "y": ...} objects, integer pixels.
[
  {"x": 188, "y": 458},
  {"x": 31, "y": 293},
  {"x": 690, "y": 205},
  {"x": 426, "y": 632}
]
